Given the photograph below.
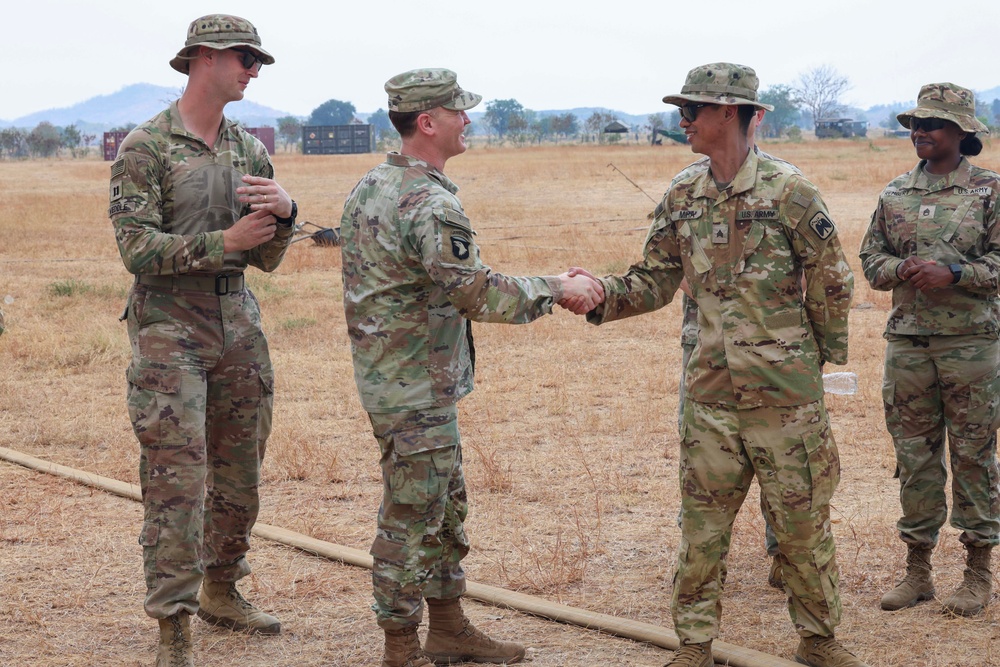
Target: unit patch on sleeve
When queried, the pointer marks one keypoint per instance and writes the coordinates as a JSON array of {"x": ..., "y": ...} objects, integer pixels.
[
  {"x": 460, "y": 247},
  {"x": 822, "y": 225}
]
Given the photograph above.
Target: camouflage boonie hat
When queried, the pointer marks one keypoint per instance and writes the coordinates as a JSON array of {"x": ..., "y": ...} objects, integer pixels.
[
  {"x": 946, "y": 101},
  {"x": 219, "y": 31},
  {"x": 423, "y": 89},
  {"x": 720, "y": 83}
]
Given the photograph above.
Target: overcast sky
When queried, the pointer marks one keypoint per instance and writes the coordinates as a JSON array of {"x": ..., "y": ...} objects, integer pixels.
[{"x": 620, "y": 54}]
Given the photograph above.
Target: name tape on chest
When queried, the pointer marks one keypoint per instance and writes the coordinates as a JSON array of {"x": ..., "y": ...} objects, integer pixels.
[
  {"x": 686, "y": 214},
  {"x": 762, "y": 214}
]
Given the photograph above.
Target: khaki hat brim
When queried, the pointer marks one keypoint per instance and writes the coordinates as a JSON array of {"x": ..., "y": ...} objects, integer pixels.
[
  {"x": 182, "y": 59},
  {"x": 965, "y": 122},
  {"x": 728, "y": 100},
  {"x": 463, "y": 102}
]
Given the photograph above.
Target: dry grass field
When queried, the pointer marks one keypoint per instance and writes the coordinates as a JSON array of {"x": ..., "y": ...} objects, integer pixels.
[{"x": 570, "y": 438}]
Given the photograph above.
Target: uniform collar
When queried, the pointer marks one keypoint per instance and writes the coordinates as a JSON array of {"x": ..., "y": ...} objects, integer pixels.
[
  {"x": 401, "y": 160},
  {"x": 177, "y": 125},
  {"x": 743, "y": 181},
  {"x": 961, "y": 177}
]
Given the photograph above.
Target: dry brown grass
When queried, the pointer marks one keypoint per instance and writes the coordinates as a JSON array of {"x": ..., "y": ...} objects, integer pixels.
[{"x": 570, "y": 437}]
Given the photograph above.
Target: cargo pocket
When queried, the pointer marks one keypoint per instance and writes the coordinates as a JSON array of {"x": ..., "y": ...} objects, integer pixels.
[
  {"x": 151, "y": 394},
  {"x": 981, "y": 417},
  {"x": 893, "y": 421},
  {"x": 148, "y": 539},
  {"x": 265, "y": 410},
  {"x": 824, "y": 468}
]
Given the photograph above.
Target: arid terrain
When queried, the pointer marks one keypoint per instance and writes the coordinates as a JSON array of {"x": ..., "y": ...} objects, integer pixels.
[{"x": 570, "y": 438}]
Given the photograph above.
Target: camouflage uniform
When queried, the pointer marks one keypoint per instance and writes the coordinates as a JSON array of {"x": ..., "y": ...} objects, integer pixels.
[
  {"x": 943, "y": 353},
  {"x": 754, "y": 397},
  {"x": 413, "y": 281},
  {"x": 200, "y": 382},
  {"x": 689, "y": 338}
]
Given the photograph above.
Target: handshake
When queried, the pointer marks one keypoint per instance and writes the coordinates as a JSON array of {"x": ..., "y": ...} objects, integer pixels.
[{"x": 582, "y": 292}]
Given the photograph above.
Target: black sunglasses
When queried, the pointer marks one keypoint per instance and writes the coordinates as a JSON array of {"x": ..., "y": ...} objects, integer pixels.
[
  {"x": 689, "y": 112},
  {"x": 249, "y": 59},
  {"x": 927, "y": 124}
]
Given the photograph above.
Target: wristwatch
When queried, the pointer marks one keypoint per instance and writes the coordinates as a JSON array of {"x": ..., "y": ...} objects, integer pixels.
[
  {"x": 956, "y": 272},
  {"x": 290, "y": 220}
]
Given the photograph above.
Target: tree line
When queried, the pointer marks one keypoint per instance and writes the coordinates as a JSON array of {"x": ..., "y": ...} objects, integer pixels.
[
  {"x": 817, "y": 94},
  {"x": 45, "y": 140}
]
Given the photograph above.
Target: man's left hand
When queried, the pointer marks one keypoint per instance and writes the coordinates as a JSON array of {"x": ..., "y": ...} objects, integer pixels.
[{"x": 264, "y": 194}]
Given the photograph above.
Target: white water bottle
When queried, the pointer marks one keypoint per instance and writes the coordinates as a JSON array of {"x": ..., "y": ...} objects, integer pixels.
[{"x": 843, "y": 382}]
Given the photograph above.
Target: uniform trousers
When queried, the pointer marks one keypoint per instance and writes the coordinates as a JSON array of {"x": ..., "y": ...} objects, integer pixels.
[
  {"x": 200, "y": 397},
  {"x": 937, "y": 385},
  {"x": 420, "y": 540},
  {"x": 770, "y": 541},
  {"x": 792, "y": 453}
]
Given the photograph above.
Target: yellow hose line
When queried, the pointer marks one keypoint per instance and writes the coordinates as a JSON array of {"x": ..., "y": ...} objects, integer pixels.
[{"x": 723, "y": 652}]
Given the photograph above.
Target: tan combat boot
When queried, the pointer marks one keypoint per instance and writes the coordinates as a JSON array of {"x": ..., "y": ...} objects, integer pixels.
[
  {"x": 453, "y": 639},
  {"x": 692, "y": 655},
  {"x": 977, "y": 584},
  {"x": 221, "y": 604},
  {"x": 775, "y": 579},
  {"x": 402, "y": 649},
  {"x": 175, "y": 642},
  {"x": 819, "y": 651},
  {"x": 916, "y": 586}
]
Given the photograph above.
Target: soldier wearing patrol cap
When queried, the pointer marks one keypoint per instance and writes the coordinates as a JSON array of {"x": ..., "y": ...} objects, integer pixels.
[
  {"x": 934, "y": 242},
  {"x": 413, "y": 281},
  {"x": 745, "y": 230},
  {"x": 193, "y": 202}
]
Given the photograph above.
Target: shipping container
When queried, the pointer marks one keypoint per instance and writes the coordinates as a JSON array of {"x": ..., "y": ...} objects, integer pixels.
[
  {"x": 112, "y": 140},
  {"x": 337, "y": 139},
  {"x": 266, "y": 136}
]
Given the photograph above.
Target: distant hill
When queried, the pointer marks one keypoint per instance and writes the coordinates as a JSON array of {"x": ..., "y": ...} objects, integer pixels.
[
  {"x": 135, "y": 104},
  {"x": 141, "y": 101}
]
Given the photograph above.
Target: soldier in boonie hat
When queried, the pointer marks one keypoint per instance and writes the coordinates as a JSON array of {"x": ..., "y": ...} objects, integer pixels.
[
  {"x": 948, "y": 102},
  {"x": 219, "y": 31},
  {"x": 720, "y": 83},
  {"x": 423, "y": 89}
]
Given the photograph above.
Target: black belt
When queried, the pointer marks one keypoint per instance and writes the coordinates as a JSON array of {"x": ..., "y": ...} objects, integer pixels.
[{"x": 224, "y": 283}]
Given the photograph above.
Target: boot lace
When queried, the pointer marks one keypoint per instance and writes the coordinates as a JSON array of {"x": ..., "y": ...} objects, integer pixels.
[
  {"x": 179, "y": 646},
  {"x": 689, "y": 655},
  {"x": 829, "y": 649},
  {"x": 234, "y": 594}
]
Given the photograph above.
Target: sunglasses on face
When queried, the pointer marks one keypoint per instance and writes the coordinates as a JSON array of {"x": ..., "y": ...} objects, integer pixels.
[
  {"x": 689, "y": 112},
  {"x": 927, "y": 124},
  {"x": 249, "y": 59}
]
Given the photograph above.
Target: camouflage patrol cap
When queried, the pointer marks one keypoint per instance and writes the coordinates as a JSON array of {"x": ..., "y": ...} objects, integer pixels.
[
  {"x": 423, "y": 89},
  {"x": 219, "y": 31},
  {"x": 720, "y": 83},
  {"x": 948, "y": 102}
]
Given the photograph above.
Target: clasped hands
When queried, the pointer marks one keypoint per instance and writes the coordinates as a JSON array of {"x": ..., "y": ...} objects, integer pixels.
[
  {"x": 923, "y": 274},
  {"x": 267, "y": 201},
  {"x": 582, "y": 292}
]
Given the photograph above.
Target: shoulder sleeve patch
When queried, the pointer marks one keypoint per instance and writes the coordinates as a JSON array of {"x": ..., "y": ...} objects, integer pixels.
[
  {"x": 821, "y": 225},
  {"x": 118, "y": 168}
]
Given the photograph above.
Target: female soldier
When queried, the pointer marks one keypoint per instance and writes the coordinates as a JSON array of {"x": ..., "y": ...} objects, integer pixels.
[{"x": 935, "y": 242}]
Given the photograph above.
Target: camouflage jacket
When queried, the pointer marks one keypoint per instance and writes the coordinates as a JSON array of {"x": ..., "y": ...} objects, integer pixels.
[
  {"x": 172, "y": 196},
  {"x": 744, "y": 251},
  {"x": 689, "y": 328},
  {"x": 413, "y": 279},
  {"x": 952, "y": 220}
]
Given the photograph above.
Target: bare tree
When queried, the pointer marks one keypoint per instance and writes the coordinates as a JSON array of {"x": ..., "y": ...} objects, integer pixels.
[{"x": 819, "y": 90}]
